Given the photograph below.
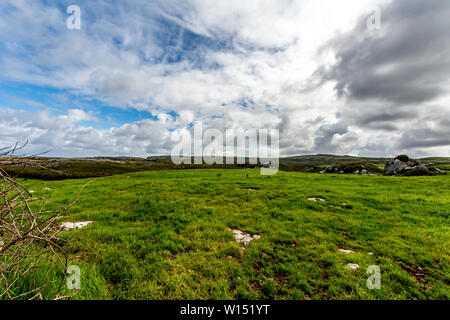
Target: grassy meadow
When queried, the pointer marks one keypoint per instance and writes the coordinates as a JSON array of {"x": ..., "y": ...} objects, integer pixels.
[{"x": 165, "y": 235}]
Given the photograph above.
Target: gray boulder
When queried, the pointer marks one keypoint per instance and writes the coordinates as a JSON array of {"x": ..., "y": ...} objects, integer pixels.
[
  {"x": 419, "y": 170},
  {"x": 435, "y": 170},
  {"x": 394, "y": 167}
]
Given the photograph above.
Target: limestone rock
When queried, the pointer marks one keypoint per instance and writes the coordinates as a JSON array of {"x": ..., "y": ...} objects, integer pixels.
[
  {"x": 394, "y": 167},
  {"x": 244, "y": 238},
  {"x": 316, "y": 199},
  {"x": 352, "y": 266},
  {"x": 419, "y": 170},
  {"x": 74, "y": 225}
]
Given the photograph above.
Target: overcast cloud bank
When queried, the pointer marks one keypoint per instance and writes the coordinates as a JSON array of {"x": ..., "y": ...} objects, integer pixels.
[{"x": 311, "y": 69}]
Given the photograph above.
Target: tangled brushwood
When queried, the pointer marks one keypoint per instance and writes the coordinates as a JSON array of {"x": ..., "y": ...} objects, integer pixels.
[{"x": 30, "y": 244}]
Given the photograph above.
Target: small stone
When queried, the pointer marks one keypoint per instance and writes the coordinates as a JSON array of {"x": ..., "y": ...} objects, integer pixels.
[
  {"x": 47, "y": 189},
  {"x": 346, "y": 251},
  {"x": 352, "y": 266},
  {"x": 74, "y": 225},
  {"x": 370, "y": 253},
  {"x": 316, "y": 199}
]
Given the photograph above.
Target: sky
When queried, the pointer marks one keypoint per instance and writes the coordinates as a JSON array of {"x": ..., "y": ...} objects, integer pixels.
[{"x": 139, "y": 73}]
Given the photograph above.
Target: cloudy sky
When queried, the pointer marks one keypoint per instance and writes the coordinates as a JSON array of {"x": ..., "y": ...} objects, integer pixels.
[{"x": 138, "y": 73}]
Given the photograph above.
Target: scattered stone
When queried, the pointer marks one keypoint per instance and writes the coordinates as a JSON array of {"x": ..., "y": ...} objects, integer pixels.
[
  {"x": 31, "y": 191},
  {"x": 352, "y": 266},
  {"x": 332, "y": 168},
  {"x": 344, "y": 168},
  {"x": 370, "y": 253},
  {"x": 316, "y": 199},
  {"x": 74, "y": 225},
  {"x": 47, "y": 189},
  {"x": 346, "y": 251}
]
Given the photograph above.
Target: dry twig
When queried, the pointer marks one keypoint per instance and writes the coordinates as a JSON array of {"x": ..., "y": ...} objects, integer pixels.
[{"x": 29, "y": 236}]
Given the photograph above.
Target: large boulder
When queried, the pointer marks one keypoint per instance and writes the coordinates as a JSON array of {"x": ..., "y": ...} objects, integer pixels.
[
  {"x": 435, "y": 170},
  {"x": 419, "y": 170},
  {"x": 394, "y": 167}
]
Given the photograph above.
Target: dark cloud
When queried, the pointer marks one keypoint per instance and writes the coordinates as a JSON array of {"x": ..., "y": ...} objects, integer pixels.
[
  {"x": 425, "y": 137},
  {"x": 395, "y": 80},
  {"x": 378, "y": 118},
  {"x": 406, "y": 62}
]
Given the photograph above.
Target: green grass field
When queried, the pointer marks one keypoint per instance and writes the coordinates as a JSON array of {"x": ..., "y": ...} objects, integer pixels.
[{"x": 164, "y": 235}]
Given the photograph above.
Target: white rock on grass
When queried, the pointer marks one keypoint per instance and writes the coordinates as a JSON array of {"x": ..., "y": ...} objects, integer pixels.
[
  {"x": 75, "y": 225},
  {"x": 244, "y": 238},
  {"x": 316, "y": 199},
  {"x": 346, "y": 251},
  {"x": 47, "y": 189},
  {"x": 352, "y": 266}
]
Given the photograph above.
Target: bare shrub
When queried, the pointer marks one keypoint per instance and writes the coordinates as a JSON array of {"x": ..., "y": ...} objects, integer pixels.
[{"x": 30, "y": 243}]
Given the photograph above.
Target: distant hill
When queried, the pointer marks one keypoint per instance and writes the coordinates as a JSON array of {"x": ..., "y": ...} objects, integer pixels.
[{"x": 73, "y": 168}]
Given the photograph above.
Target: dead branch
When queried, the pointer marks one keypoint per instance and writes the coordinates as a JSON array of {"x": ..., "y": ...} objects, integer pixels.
[{"x": 29, "y": 235}]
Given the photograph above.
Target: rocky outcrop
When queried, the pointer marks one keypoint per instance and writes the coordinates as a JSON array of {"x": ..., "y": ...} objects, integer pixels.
[{"x": 410, "y": 168}]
